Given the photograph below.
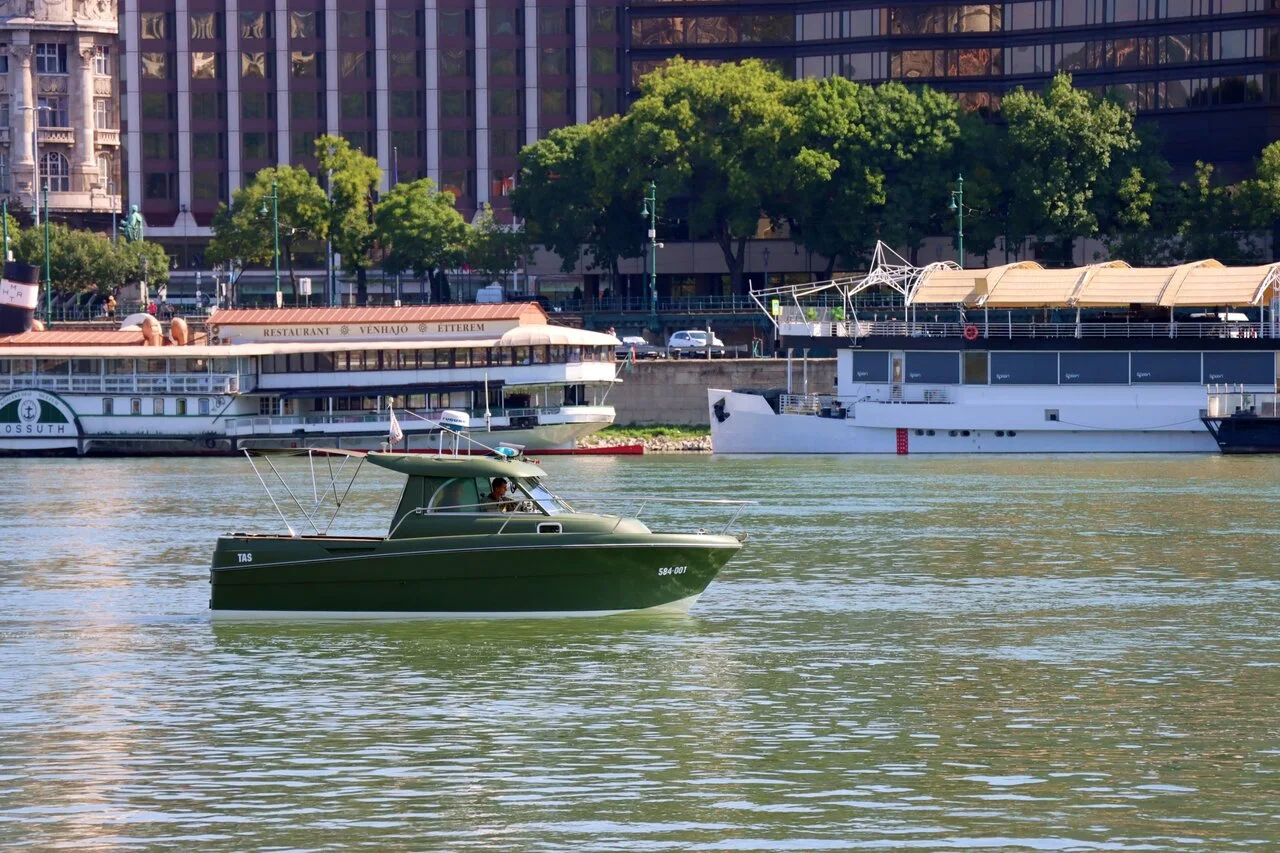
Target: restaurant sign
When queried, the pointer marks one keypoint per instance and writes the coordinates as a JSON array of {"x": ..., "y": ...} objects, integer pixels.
[{"x": 315, "y": 333}]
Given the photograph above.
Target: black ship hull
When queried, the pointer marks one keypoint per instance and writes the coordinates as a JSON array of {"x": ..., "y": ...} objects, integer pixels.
[{"x": 1245, "y": 433}]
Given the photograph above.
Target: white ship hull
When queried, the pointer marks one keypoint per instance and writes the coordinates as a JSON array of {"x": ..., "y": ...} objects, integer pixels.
[{"x": 1164, "y": 423}]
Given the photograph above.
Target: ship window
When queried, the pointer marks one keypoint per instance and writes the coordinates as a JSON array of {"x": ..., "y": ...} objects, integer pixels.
[
  {"x": 521, "y": 355},
  {"x": 340, "y": 362},
  {"x": 557, "y": 355},
  {"x": 539, "y": 355},
  {"x": 975, "y": 368},
  {"x": 547, "y": 502},
  {"x": 182, "y": 405},
  {"x": 135, "y": 406},
  {"x": 157, "y": 406},
  {"x": 919, "y": 432},
  {"x": 203, "y": 405},
  {"x": 501, "y": 356},
  {"x": 953, "y": 433},
  {"x": 456, "y": 495},
  {"x": 54, "y": 367},
  {"x": 964, "y": 433},
  {"x": 108, "y": 406},
  {"x": 1050, "y": 414},
  {"x": 999, "y": 433},
  {"x": 324, "y": 362},
  {"x": 1012, "y": 433},
  {"x": 929, "y": 432},
  {"x": 85, "y": 367},
  {"x": 118, "y": 366},
  {"x": 573, "y": 355},
  {"x": 308, "y": 362},
  {"x": 4, "y": 367}
]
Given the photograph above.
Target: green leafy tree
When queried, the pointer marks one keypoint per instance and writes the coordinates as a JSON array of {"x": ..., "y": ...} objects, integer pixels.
[
  {"x": 1212, "y": 220},
  {"x": 142, "y": 261},
  {"x": 419, "y": 230},
  {"x": 353, "y": 184},
  {"x": 492, "y": 248},
  {"x": 243, "y": 231},
  {"x": 1062, "y": 144},
  {"x": 724, "y": 138},
  {"x": 79, "y": 261}
]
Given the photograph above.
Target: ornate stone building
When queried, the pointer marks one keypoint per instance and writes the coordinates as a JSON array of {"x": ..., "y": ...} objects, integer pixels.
[{"x": 59, "y": 105}]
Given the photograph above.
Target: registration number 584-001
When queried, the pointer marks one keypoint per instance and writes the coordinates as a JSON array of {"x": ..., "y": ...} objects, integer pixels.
[{"x": 672, "y": 570}]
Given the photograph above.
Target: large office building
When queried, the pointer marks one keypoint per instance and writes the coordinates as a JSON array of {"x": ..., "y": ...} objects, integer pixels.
[
  {"x": 59, "y": 106},
  {"x": 1208, "y": 71},
  {"x": 445, "y": 89}
]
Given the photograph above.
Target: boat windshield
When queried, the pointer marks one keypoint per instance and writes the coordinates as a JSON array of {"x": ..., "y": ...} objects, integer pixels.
[{"x": 546, "y": 501}]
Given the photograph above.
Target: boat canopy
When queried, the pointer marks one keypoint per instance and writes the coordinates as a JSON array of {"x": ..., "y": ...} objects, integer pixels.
[
  {"x": 1114, "y": 284},
  {"x": 423, "y": 465}
]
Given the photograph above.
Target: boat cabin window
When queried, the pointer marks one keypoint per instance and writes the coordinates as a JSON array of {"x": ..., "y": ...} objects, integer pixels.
[
  {"x": 456, "y": 495},
  {"x": 547, "y": 502}
]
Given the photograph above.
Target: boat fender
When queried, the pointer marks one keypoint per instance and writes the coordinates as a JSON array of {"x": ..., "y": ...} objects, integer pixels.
[{"x": 970, "y": 333}]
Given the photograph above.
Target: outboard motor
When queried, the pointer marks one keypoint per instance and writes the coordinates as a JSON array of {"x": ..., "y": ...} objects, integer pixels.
[{"x": 19, "y": 296}]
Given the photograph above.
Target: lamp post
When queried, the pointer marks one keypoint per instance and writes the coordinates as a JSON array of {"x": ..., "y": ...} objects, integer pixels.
[
  {"x": 957, "y": 206},
  {"x": 48, "y": 279},
  {"x": 275, "y": 231},
  {"x": 330, "y": 287},
  {"x": 111, "y": 194},
  {"x": 650, "y": 211},
  {"x": 5, "y": 217},
  {"x": 765, "y": 254}
]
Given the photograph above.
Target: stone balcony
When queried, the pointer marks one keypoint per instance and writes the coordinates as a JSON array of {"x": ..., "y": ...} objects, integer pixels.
[
  {"x": 103, "y": 136},
  {"x": 57, "y": 136}
]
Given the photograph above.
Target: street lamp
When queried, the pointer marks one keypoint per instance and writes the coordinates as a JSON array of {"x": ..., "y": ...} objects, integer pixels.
[
  {"x": 649, "y": 210},
  {"x": 957, "y": 207},
  {"x": 48, "y": 279},
  {"x": 330, "y": 288},
  {"x": 111, "y": 193},
  {"x": 765, "y": 253},
  {"x": 4, "y": 216},
  {"x": 275, "y": 229}
]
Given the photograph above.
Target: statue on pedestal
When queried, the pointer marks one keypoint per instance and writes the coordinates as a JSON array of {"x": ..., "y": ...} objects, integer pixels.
[{"x": 133, "y": 225}]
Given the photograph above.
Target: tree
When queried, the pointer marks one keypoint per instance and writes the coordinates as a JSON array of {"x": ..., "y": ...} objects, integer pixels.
[
  {"x": 1211, "y": 220},
  {"x": 493, "y": 249},
  {"x": 724, "y": 138},
  {"x": 79, "y": 261},
  {"x": 1061, "y": 145},
  {"x": 419, "y": 230},
  {"x": 353, "y": 183},
  {"x": 242, "y": 231},
  {"x": 569, "y": 195},
  {"x": 142, "y": 261}
]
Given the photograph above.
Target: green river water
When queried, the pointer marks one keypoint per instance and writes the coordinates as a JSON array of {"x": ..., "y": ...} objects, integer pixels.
[{"x": 911, "y": 653}]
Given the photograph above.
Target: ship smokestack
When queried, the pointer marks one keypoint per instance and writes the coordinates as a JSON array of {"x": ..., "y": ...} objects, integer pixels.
[{"x": 19, "y": 296}]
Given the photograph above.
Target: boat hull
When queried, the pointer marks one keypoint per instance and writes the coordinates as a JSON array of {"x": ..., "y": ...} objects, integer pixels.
[
  {"x": 1247, "y": 434},
  {"x": 525, "y": 576}
]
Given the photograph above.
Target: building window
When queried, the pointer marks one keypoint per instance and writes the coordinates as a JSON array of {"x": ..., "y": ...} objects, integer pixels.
[
  {"x": 207, "y": 146},
  {"x": 53, "y": 111},
  {"x": 156, "y": 105},
  {"x": 108, "y": 406},
  {"x": 4, "y": 63},
  {"x": 404, "y": 23},
  {"x": 503, "y": 62},
  {"x": 355, "y": 24},
  {"x": 155, "y": 66},
  {"x": 604, "y": 19},
  {"x": 456, "y": 143},
  {"x": 505, "y": 22},
  {"x": 5, "y": 107},
  {"x": 504, "y": 102},
  {"x": 303, "y": 25},
  {"x": 253, "y": 64},
  {"x": 455, "y": 63},
  {"x": 51, "y": 59},
  {"x": 554, "y": 21},
  {"x": 208, "y": 186},
  {"x": 554, "y": 61},
  {"x": 159, "y": 185},
  {"x": 504, "y": 143},
  {"x": 403, "y": 63},
  {"x": 304, "y": 63},
  {"x": 255, "y": 25},
  {"x": 356, "y": 63},
  {"x": 457, "y": 103},
  {"x": 255, "y": 146},
  {"x": 55, "y": 172},
  {"x": 4, "y": 172},
  {"x": 304, "y": 105},
  {"x": 210, "y": 106},
  {"x": 406, "y": 143},
  {"x": 204, "y": 65},
  {"x": 204, "y": 25},
  {"x": 256, "y": 105},
  {"x": 604, "y": 60},
  {"x": 456, "y": 181},
  {"x": 102, "y": 60},
  {"x": 355, "y": 105},
  {"x": 405, "y": 104},
  {"x": 455, "y": 24},
  {"x": 103, "y": 115},
  {"x": 155, "y": 25},
  {"x": 106, "y": 174},
  {"x": 157, "y": 146},
  {"x": 604, "y": 102},
  {"x": 553, "y": 102},
  {"x": 302, "y": 145}
]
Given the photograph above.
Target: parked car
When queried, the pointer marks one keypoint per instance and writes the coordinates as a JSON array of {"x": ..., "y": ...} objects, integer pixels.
[
  {"x": 693, "y": 342},
  {"x": 638, "y": 345}
]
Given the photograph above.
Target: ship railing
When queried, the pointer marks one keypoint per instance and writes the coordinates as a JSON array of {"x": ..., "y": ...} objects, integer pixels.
[
  {"x": 1227, "y": 400},
  {"x": 800, "y": 404},
  {"x": 251, "y": 423},
  {"x": 977, "y": 328},
  {"x": 210, "y": 385}
]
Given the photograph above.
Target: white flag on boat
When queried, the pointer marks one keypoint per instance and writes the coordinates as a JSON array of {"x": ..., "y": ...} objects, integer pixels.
[{"x": 397, "y": 434}]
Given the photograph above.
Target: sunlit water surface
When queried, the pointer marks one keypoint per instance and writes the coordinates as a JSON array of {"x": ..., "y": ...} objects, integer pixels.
[{"x": 935, "y": 654}]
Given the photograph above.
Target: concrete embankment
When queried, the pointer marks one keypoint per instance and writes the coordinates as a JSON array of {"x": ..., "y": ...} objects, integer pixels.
[
  {"x": 652, "y": 444},
  {"x": 675, "y": 391}
]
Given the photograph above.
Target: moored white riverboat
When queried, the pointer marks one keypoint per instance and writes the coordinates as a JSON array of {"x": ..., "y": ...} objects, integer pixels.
[
  {"x": 307, "y": 377},
  {"x": 1015, "y": 359}
]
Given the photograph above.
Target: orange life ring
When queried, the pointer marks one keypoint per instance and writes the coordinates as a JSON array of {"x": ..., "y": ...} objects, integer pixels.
[{"x": 970, "y": 333}]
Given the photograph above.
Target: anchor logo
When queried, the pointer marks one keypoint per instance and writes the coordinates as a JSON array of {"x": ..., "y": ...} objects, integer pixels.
[{"x": 29, "y": 411}]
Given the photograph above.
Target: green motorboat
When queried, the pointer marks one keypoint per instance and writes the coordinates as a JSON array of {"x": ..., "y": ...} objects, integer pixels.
[{"x": 457, "y": 547}]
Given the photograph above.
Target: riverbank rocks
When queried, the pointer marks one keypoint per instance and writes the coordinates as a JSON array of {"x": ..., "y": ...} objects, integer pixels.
[{"x": 652, "y": 444}]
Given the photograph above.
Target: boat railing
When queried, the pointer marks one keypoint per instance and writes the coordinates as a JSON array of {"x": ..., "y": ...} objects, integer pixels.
[
  {"x": 213, "y": 385},
  {"x": 800, "y": 404},
  {"x": 1227, "y": 400},
  {"x": 251, "y": 423},
  {"x": 979, "y": 328}
]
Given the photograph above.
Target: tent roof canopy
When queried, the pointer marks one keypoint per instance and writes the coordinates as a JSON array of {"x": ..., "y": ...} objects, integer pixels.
[{"x": 1028, "y": 285}]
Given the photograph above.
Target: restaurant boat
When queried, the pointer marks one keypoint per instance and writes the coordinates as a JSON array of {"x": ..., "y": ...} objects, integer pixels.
[
  {"x": 1014, "y": 359},
  {"x": 1243, "y": 422},
  {"x": 455, "y": 547},
  {"x": 304, "y": 377}
]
